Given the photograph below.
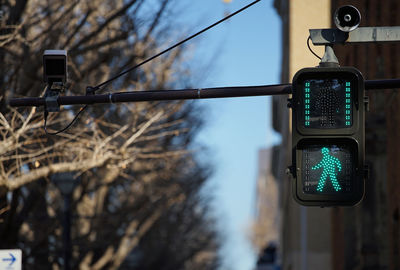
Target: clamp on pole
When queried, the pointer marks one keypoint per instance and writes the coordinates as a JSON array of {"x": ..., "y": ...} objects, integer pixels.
[
  {"x": 51, "y": 96},
  {"x": 329, "y": 59}
]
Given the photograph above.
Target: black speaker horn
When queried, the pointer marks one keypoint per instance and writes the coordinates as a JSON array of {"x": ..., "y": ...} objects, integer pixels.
[{"x": 347, "y": 18}]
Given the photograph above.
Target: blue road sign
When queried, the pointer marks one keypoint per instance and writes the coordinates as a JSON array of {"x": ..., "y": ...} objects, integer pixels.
[{"x": 10, "y": 259}]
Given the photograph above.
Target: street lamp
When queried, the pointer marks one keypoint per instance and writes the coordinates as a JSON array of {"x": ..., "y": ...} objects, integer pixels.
[{"x": 66, "y": 183}]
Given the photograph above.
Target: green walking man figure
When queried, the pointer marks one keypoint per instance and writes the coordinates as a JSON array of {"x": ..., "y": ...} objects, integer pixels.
[{"x": 329, "y": 164}]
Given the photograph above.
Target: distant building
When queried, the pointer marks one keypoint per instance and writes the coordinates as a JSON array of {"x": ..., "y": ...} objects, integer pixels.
[
  {"x": 305, "y": 232},
  {"x": 265, "y": 228},
  {"x": 268, "y": 259},
  {"x": 366, "y": 236}
]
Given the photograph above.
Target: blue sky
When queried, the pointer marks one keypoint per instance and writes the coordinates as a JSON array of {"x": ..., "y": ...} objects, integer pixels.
[{"x": 246, "y": 50}]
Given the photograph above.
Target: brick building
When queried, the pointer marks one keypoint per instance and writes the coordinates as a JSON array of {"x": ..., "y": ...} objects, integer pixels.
[{"x": 366, "y": 236}]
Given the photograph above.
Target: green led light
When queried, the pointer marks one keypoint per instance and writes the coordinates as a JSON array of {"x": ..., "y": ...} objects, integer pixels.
[
  {"x": 307, "y": 104},
  {"x": 327, "y": 103},
  {"x": 328, "y": 163},
  {"x": 348, "y": 105}
]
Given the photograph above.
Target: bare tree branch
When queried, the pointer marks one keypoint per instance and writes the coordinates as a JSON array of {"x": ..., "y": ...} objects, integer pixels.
[{"x": 138, "y": 176}]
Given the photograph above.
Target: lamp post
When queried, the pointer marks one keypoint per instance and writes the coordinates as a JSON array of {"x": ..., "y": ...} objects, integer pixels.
[{"x": 66, "y": 183}]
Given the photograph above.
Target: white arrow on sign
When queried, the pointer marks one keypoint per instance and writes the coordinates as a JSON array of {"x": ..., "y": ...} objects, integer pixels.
[{"x": 10, "y": 259}]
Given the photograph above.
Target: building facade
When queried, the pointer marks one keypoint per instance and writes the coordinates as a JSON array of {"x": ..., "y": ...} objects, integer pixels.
[
  {"x": 305, "y": 232},
  {"x": 366, "y": 236}
]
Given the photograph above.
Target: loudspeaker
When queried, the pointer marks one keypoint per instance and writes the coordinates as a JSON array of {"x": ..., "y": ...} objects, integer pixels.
[{"x": 347, "y": 18}]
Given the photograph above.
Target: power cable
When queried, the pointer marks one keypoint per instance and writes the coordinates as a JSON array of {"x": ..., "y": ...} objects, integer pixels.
[
  {"x": 92, "y": 90},
  {"x": 174, "y": 46},
  {"x": 46, "y": 113},
  {"x": 309, "y": 47}
]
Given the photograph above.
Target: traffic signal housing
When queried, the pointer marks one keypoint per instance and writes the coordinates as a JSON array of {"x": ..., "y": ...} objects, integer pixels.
[{"x": 328, "y": 134}]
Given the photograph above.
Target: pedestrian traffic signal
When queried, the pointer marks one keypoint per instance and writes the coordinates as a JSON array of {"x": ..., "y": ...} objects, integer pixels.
[
  {"x": 328, "y": 136},
  {"x": 326, "y": 104}
]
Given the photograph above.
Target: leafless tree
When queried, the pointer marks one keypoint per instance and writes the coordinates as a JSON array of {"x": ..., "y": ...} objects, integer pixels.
[{"x": 140, "y": 189}]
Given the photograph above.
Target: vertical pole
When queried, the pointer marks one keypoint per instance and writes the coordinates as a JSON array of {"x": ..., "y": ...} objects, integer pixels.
[
  {"x": 67, "y": 231},
  {"x": 303, "y": 237},
  {"x": 329, "y": 59}
]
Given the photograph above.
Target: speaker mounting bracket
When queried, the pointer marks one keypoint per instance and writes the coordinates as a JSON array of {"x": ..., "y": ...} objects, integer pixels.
[{"x": 359, "y": 35}]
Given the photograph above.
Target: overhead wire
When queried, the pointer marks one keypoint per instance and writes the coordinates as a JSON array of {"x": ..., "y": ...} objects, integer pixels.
[
  {"x": 175, "y": 45},
  {"x": 46, "y": 113},
  {"x": 309, "y": 47},
  {"x": 92, "y": 90}
]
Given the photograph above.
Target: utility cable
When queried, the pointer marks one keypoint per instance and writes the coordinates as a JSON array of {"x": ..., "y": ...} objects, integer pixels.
[
  {"x": 92, "y": 90},
  {"x": 309, "y": 47},
  {"x": 174, "y": 46},
  {"x": 46, "y": 113}
]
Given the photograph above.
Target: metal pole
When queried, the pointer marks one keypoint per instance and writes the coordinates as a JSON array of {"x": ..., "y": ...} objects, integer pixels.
[
  {"x": 67, "y": 232},
  {"x": 359, "y": 35},
  {"x": 382, "y": 84},
  {"x": 303, "y": 238},
  {"x": 219, "y": 92}
]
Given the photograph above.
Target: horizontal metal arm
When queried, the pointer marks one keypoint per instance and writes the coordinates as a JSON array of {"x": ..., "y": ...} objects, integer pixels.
[
  {"x": 382, "y": 84},
  {"x": 359, "y": 35},
  {"x": 219, "y": 92}
]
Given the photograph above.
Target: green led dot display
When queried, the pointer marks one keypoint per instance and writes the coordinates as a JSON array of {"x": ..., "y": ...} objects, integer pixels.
[
  {"x": 307, "y": 104},
  {"x": 328, "y": 169},
  {"x": 326, "y": 104}
]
